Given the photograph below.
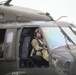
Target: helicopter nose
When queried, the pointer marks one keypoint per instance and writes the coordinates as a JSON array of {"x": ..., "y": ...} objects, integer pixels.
[{"x": 64, "y": 63}]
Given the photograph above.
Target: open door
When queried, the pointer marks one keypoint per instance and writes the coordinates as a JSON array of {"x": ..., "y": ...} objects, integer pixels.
[{"x": 25, "y": 50}]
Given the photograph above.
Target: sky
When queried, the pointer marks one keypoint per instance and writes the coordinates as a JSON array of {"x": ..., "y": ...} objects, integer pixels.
[{"x": 56, "y": 8}]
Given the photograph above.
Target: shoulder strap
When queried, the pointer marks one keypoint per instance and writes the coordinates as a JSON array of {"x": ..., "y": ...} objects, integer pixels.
[{"x": 40, "y": 44}]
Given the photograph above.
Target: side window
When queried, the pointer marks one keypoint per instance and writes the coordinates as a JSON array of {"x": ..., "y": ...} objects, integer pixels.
[
  {"x": 2, "y": 36},
  {"x": 32, "y": 51},
  {"x": 9, "y": 39}
]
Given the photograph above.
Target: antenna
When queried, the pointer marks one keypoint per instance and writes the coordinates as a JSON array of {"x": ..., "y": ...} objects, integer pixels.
[
  {"x": 60, "y": 18},
  {"x": 7, "y": 2}
]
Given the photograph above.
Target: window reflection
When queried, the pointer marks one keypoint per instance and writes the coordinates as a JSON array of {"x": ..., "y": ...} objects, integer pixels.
[
  {"x": 9, "y": 37},
  {"x": 9, "y": 40},
  {"x": 54, "y": 37}
]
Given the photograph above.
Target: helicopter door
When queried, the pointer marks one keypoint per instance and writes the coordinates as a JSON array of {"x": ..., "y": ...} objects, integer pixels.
[{"x": 10, "y": 38}]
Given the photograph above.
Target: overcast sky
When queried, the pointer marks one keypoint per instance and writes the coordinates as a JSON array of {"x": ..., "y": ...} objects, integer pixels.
[{"x": 56, "y": 8}]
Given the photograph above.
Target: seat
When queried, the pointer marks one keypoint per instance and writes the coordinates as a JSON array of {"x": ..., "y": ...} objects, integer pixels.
[{"x": 24, "y": 49}]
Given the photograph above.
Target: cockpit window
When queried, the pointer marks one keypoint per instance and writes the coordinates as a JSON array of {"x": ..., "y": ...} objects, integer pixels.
[
  {"x": 9, "y": 37},
  {"x": 70, "y": 33},
  {"x": 54, "y": 37},
  {"x": 57, "y": 37}
]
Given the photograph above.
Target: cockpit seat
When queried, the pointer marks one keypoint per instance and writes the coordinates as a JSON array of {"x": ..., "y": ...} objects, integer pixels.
[{"x": 24, "y": 49}]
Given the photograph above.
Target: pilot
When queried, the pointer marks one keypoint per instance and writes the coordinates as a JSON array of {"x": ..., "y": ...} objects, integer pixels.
[{"x": 39, "y": 46}]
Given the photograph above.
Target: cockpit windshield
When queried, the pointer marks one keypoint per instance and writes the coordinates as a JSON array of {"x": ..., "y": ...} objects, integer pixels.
[{"x": 55, "y": 37}]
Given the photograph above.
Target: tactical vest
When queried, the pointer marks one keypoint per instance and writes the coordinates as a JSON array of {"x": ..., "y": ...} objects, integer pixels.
[{"x": 44, "y": 52}]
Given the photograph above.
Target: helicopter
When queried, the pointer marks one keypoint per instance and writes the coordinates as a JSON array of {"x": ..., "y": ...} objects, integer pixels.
[{"x": 17, "y": 27}]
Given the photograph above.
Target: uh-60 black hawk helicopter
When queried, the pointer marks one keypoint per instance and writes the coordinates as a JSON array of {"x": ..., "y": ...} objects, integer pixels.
[{"x": 17, "y": 27}]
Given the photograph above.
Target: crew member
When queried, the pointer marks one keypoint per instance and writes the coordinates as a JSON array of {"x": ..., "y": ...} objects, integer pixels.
[{"x": 39, "y": 46}]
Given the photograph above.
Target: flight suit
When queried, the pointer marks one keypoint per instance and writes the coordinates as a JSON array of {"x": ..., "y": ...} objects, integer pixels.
[{"x": 39, "y": 49}]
